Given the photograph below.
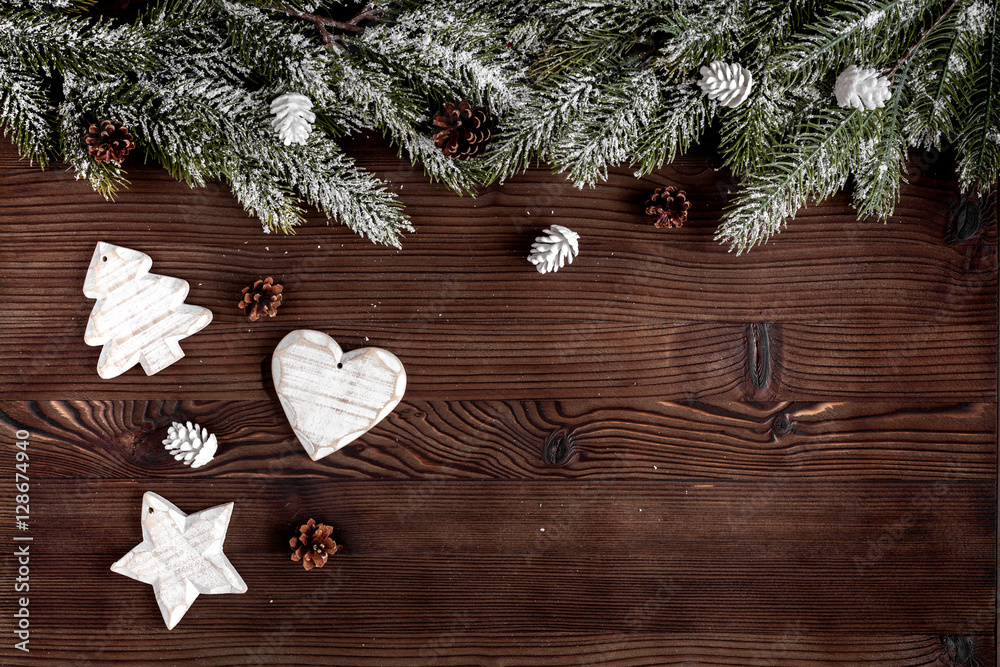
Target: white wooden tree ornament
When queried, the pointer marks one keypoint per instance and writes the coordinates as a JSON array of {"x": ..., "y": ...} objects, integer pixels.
[
  {"x": 139, "y": 317},
  {"x": 331, "y": 397},
  {"x": 181, "y": 556}
]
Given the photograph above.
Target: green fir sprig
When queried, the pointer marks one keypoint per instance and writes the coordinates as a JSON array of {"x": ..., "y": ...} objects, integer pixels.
[{"x": 583, "y": 85}]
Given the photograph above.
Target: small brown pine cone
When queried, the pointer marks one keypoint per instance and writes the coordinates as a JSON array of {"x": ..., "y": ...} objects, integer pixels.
[
  {"x": 668, "y": 207},
  {"x": 465, "y": 130},
  {"x": 263, "y": 298},
  {"x": 313, "y": 544},
  {"x": 108, "y": 141}
]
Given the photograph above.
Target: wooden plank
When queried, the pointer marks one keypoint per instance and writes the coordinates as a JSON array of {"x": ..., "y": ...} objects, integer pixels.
[
  {"x": 779, "y": 524},
  {"x": 445, "y": 360},
  {"x": 47, "y": 359},
  {"x": 865, "y": 360},
  {"x": 599, "y": 439},
  {"x": 906, "y": 558},
  {"x": 467, "y": 259},
  {"x": 460, "y": 644}
]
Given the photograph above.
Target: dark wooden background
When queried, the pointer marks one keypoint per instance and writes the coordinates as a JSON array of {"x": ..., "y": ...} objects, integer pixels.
[{"x": 664, "y": 454}]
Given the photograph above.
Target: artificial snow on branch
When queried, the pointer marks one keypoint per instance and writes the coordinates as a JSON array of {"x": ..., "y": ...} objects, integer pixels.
[
  {"x": 583, "y": 86},
  {"x": 915, "y": 73}
]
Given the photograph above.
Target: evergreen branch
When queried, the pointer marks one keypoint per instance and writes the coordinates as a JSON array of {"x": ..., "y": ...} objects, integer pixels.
[
  {"x": 369, "y": 13},
  {"x": 326, "y": 179},
  {"x": 775, "y": 23},
  {"x": 533, "y": 131},
  {"x": 565, "y": 58},
  {"x": 814, "y": 164},
  {"x": 979, "y": 141},
  {"x": 441, "y": 57},
  {"x": 610, "y": 131},
  {"x": 751, "y": 132},
  {"x": 75, "y": 6},
  {"x": 942, "y": 74},
  {"x": 25, "y": 114},
  {"x": 684, "y": 114},
  {"x": 858, "y": 31},
  {"x": 697, "y": 34},
  {"x": 882, "y": 166},
  {"x": 195, "y": 114},
  {"x": 104, "y": 177},
  {"x": 447, "y": 55},
  {"x": 909, "y": 52},
  {"x": 383, "y": 103},
  {"x": 290, "y": 58},
  {"x": 47, "y": 43}
]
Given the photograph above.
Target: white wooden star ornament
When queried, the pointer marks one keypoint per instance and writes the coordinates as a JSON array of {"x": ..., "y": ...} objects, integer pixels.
[{"x": 181, "y": 555}]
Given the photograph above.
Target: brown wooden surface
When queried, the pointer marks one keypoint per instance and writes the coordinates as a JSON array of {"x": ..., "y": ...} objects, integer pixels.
[{"x": 782, "y": 458}]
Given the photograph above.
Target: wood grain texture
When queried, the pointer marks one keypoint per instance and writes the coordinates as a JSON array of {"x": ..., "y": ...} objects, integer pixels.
[
  {"x": 641, "y": 313},
  {"x": 782, "y": 458},
  {"x": 451, "y": 361},
  {"x": 505, "y": 440},
  {"x": 460, "y": 644},
  {"x": 467, "y": 259},
  {"x": 564, "y": 555}
]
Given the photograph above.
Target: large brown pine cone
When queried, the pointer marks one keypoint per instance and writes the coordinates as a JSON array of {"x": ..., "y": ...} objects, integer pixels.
[
  {"x": 313, "y": 545},
  {"x": 108, "y": 141},
  {"x": 668, "y": 207},
  {"x": 263, "y": 298},
  {"x": 465, "y": 130}
]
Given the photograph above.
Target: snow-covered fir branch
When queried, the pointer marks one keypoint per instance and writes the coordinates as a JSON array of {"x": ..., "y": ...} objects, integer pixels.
[
  {"x": 583, "y": 85},
  {"x": 814, "y": 163},
  {"x": 979, "y": 138},
  {"x": 26, "y": 114},
  {"x": 881, "y": 163}
]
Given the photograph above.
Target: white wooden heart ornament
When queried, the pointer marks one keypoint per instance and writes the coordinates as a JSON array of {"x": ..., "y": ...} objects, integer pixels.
[{"x": 330, "y": 397}]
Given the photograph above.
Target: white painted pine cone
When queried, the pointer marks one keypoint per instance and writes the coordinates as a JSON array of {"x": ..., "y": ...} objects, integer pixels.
[
  {"x": 862, "y": 88},
  {"x": 292, "y": 118},
  {"x": 729, "y": 84},
  {"x": 190, "y": 444},
  {"x": 556, "y": 247}
]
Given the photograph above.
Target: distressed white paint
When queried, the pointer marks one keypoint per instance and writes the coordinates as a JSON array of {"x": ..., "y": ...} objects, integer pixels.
[
  {"x": 331, "y": 397},
  {"x": 139, "y": 317},
  {"x": 181, "y": 556}
]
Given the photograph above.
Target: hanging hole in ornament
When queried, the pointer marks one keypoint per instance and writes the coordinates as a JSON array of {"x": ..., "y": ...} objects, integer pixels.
[
  {"x": 104, "y": 259},
  {"x": 340, "y": 365},
  {"x": 150, "y": 510}
]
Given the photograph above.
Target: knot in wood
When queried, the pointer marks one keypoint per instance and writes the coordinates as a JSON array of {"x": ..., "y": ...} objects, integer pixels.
[
  {"x": 961, "y": 648},
  {"x": 966, "y": 224},
  {"x": 558, "y": 448},
  {"x": 759, "y": 346},
  {"x": 781, "y": 424}
]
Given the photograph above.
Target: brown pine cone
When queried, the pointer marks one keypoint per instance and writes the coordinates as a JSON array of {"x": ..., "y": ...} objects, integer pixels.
[
  {"x": 108, "y": 141},
  {"x": 465, "y": 130},
  {"x": 313, "y": 545},
  {"x": 264, "y": 297},
  {"x": 668, "y": 207}
]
